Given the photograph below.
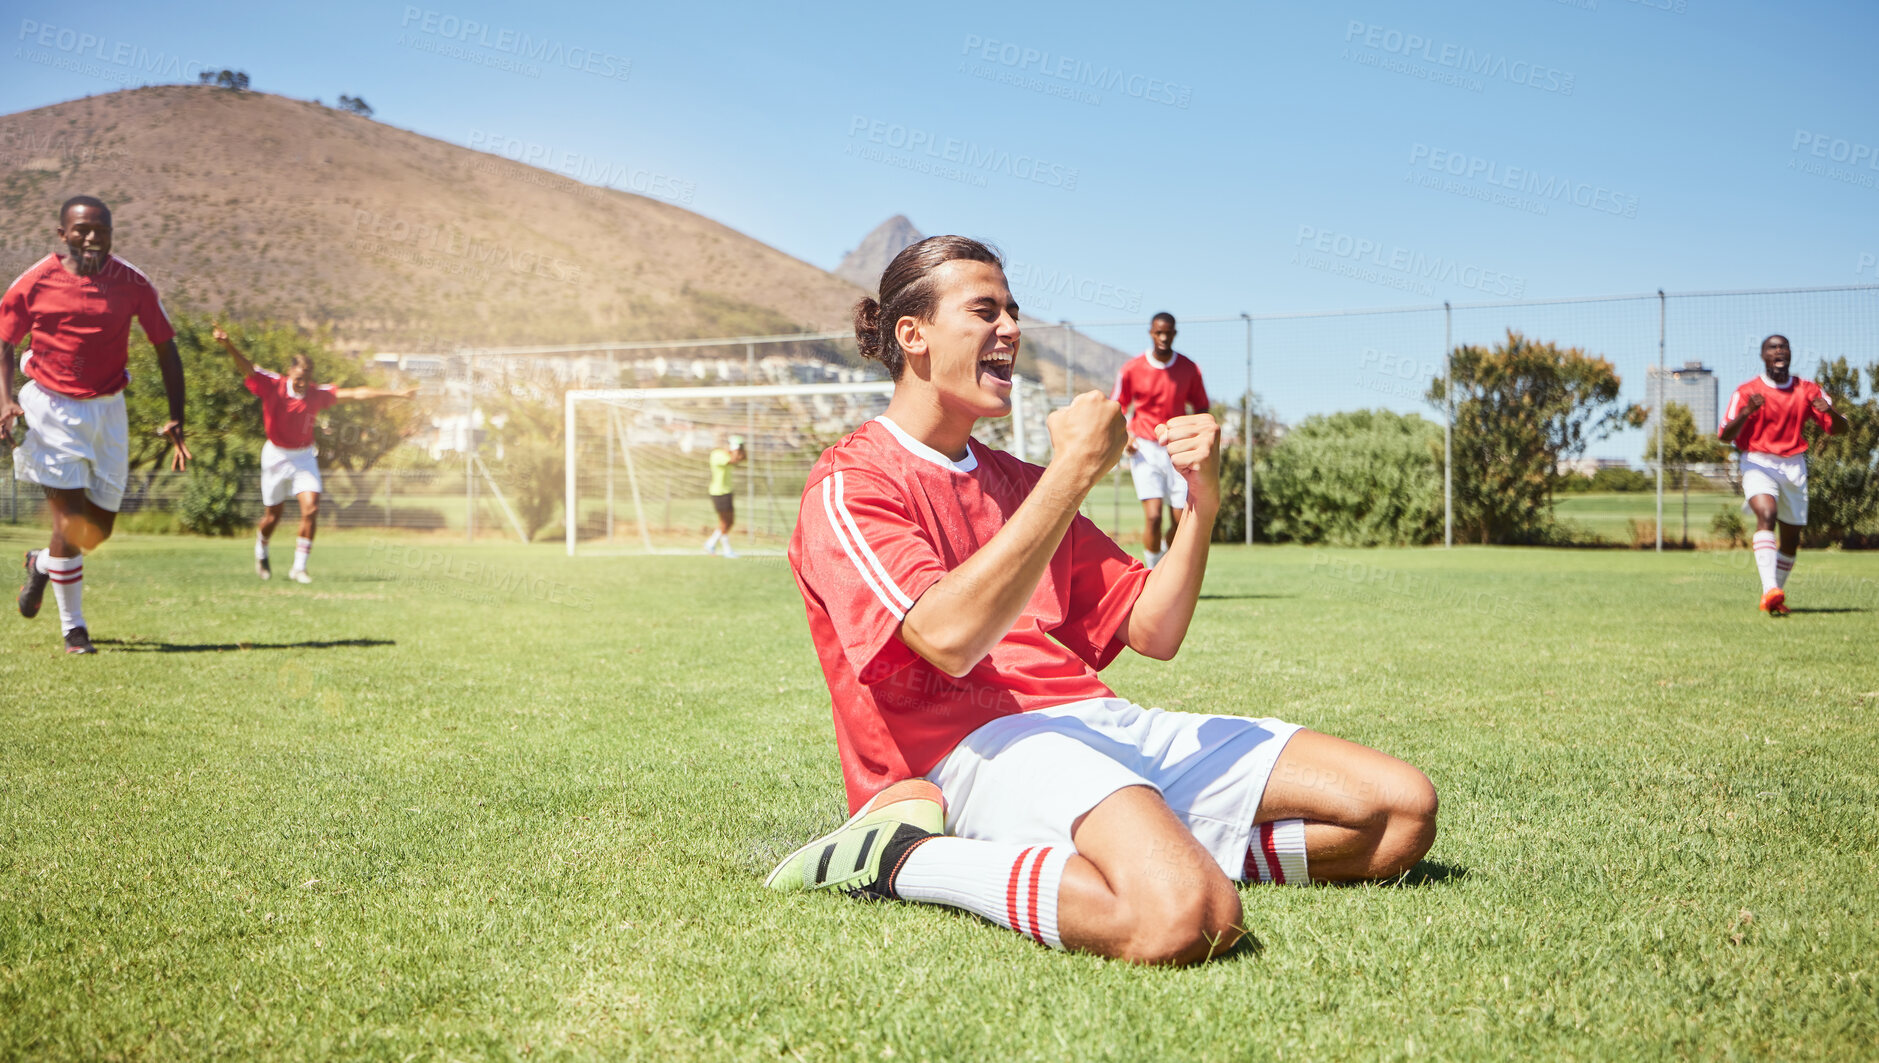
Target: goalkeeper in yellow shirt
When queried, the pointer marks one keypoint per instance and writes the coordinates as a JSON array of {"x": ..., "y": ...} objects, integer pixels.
[{"x": 721, "y": 495}]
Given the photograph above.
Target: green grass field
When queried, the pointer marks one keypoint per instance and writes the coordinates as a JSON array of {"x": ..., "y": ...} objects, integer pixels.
[
  {"x": 455, "y": 802},
  {"x": 1608, "y": 514}
]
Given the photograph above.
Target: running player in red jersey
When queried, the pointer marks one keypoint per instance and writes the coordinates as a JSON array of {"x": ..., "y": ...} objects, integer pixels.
[
  {"x": 961, "y": 609},
  {"x": 1764, "y": 421},
  {"x": 78, "y": 308},
  {"x": 1161, "y": 384},
  {"x": 290, "y": 463}
]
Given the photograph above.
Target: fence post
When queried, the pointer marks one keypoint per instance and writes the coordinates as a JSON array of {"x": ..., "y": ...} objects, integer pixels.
[
  {"x": 750, "y": 446},
  {"x": 570, "y": 518},
  {"x": 388, "y": 498},
  {"x": 469, "y": 447},
  {"x": 1017, "y": 417},
  {"x": 1448, "y": 427},
  {"x": 1658, "y": 415},
  {"x": 1246, "y": 428},
  {"x": 1069, "y": 362},
  {"x": 611, "y": 414}
]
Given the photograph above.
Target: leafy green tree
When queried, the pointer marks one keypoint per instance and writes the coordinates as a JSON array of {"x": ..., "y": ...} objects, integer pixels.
[
  {"x": 1843, "y": 469},
  {"x": 224, "y": 419},
  {"x": 526, "y": 423},
  {"x": 1358, "y": 478},
  {"x": 1520, "y": 407},
  {"x": 1684, "y": 446}
]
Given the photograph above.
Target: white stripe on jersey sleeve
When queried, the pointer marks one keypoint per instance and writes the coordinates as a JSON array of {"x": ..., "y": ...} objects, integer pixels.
[
  {"x": 835, "y": 525},
  {"x": 880, "y": 570}
]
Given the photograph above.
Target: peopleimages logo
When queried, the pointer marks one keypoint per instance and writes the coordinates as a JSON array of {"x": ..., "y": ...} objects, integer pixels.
[
  {"x": 1071, "y": 73},
  {"x": 516, "y": 43},
  {"x": 1396, "y": 267},
  {"x": 1521, "y": 180},
  {"x": 137, "y": 61},
  {"x": 1861, "y": 161},
  {"x": 1382, "y": 40},
  {"x": 1030, "y": 278},
  {"x": 947, "y": 155},
  {"x": 585, "y": 168}
]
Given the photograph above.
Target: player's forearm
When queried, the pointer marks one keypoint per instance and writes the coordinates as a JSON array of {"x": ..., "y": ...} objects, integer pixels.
[
  {"x": 959, "y": 619},
  {"x": 1734, "y": 428},
  {"x": 1159, "y": 622},
  {"x": 7, "y": 365},
  {"x": 171, "y": 366},
  {"x": 242, "y": 364}
]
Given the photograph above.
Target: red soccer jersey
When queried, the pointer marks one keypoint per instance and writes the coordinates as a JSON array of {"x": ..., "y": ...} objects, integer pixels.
[
  {"x": 81, "y": 325},
  {"x": 1159, "y": 393},
  {"x": 1776, "y": 427},
  {"x": 883, "y": 518},
  {"x": 288, "y": 418}
]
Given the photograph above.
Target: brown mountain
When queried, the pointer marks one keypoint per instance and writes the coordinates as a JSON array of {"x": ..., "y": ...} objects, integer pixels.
[
  {"x": 864, "y": 265},
  {"x": 262, "y": 206}
]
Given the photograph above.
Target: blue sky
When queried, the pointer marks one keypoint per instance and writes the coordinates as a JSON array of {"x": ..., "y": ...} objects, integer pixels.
[{"x": 1209, "y": 160}]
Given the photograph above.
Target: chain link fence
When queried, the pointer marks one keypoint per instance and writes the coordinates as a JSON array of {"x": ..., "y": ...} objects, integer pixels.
[{"x": 489, "y": 461}]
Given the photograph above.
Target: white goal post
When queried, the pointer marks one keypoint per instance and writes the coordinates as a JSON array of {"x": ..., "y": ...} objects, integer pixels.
[{"x": 637, "y": 460}]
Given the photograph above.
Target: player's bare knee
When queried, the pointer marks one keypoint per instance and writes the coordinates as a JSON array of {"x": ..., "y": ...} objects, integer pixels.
[{"x": 1412, "y": 826}]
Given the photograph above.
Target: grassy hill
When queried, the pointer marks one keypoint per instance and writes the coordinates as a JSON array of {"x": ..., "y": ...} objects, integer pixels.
[{"x": 263, "y": 206}]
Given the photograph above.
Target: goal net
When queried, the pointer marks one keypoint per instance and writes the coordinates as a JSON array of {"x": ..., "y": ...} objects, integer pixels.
[{"x": 638, "y": 460}]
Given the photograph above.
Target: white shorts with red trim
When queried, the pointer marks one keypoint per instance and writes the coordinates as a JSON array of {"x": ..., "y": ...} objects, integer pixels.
[
  {"x": 288, "y": 471},
  {"x": 1783, "y": 477},
  {"x": 1154, "y": 475},
  {"x": 75, "y": 444},
  {"x": 1027, "y": 778}
]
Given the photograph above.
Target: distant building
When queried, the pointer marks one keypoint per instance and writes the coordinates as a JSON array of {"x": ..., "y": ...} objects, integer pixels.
[{"x": 1693, "y": 386}]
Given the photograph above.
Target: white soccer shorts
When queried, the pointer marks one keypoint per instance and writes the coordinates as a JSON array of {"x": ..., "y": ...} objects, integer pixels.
[
  {"x": 1784, "y": 478},
  {"x": 1154, "y": 475},
  {"x": 288, "y": 471},
  {"x": 77, "y": 444},
  {"x": 1027, "y": 778}
]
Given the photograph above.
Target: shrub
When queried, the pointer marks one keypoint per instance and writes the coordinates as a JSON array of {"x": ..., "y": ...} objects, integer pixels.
[
  {"x": 1728, "y": 526},
  {"x": 1361, "y": 478}
]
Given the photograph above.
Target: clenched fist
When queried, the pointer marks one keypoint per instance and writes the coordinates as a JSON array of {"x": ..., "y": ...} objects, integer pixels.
[
  {"x": 1193, "y": 443},
  {"x": 1088, "y": 434}
]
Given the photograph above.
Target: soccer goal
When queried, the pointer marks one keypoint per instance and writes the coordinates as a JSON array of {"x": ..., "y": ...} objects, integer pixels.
[{"x": 638, "y": 460}]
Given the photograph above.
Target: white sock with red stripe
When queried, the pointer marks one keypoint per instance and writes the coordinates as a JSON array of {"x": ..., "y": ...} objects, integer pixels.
[
  {"x": 68, "y": 587},
  {"x": 1784, "y": 564},
  {"x": 1764, "y": 544},
  {"x": 1014, "y": 886},
  {"x": 302, "y": 547},
  {"x": 1277, "y": 854}
]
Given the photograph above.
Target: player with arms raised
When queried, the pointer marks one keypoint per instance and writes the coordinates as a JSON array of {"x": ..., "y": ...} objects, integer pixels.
[
  {"x": 1764, "y": 422},
  {"x": 78, "y": 308},
  {"x": 290, "y": 463},
  {"x": 1161, "y": 384},
  {"x": 961, "y": 608}
]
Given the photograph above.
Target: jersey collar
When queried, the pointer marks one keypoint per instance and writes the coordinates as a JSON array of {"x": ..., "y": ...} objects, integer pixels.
[
  {"x": 1780, "y": 387},
  {"x": 1149, "y": 357},
  {"x": 921, "y": 450}
]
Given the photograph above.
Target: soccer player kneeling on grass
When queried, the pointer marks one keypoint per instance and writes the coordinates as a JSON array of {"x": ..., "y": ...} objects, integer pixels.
[
  {"x": 1764, "y": 422},
  {"x": 290, "y": 463},
  {"x": 961, "y": 609},
  {"x": 78, "y": 309}
]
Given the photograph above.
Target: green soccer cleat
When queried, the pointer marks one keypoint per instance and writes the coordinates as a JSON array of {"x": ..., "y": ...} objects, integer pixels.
[{"x": 860, "y": 857}]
